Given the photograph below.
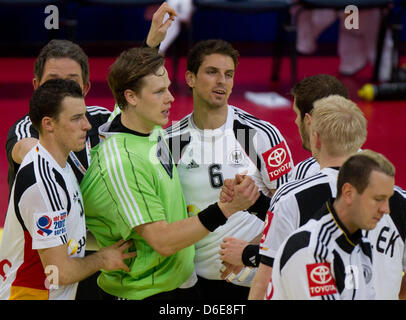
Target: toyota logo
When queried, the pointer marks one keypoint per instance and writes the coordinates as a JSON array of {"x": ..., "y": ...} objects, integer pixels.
[
  {"x": 277, "y": 157},
  {"x": 320, "y": 275}
]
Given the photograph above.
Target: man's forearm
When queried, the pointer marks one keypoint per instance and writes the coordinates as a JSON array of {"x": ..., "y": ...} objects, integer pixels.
[
  {"x": 169, "y": 238},
  {"x": 260, "y": 282},
  {"x": 63, "y": 270}
]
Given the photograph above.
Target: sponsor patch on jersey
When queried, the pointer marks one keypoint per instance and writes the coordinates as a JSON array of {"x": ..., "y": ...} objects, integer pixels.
[
  {"x": 321, "y": 281},
  {"x": 277, "y": 161},
  {"x": 50, "y": 224}
]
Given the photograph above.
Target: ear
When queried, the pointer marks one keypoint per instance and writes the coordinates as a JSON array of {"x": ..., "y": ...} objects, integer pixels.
[
  {"x": 317, "y": 140},
  {"x": 131, "y": 97},
  {"x": 86, "y": 88},
  {"x": 348, "y": 193},
  {"x": 307, "y": 120},
  {"x": 35, "y": 83},
  {"x": 47, "y": 124},
  {"x": 190, "y": 79}
]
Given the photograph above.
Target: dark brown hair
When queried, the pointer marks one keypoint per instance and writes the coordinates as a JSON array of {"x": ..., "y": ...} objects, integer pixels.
[
  {"x": 62, "y": 49},
  {"x": 208, "y": 47},
  {"x": 313, "y": 88},
  {"x": 46, "y": 100}
]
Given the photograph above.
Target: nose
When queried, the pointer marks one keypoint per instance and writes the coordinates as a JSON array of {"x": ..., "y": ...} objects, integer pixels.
[
  {"x": 385, "y": 207},
  {"x": 221, "y": 77},
  {"x": 170, "y": 97},
  {"x": 86, "y": 125}
]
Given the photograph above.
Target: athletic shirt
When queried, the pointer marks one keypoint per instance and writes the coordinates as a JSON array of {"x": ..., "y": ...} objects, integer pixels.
[
  {"x": 304, "y": 169},
  {"x": 387, "y": 238},
  {"x": 45, "y": 211},
  {"x": 388, "y": 242},
  {"x": 205, "y": 158},
  {"x": 292, "y": 206},
  {"x": 79, "y": 161},
  {"x": 131, "y": 181},
  {"x": 322, "y": 261}
]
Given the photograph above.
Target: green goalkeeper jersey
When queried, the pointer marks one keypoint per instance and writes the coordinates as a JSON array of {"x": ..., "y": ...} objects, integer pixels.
[{"x": 132, "y": 180}]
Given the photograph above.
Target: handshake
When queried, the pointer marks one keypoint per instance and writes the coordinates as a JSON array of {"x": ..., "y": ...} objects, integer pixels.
[{"x": 238, "y": 194}]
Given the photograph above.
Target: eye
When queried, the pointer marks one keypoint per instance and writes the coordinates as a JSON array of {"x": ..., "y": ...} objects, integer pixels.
[
  {"x": 230, "y": 74},
  {"x": 160, "y": 91},
  {"x": 379, "y": 199},
  {"x": 78, "y": 117}
]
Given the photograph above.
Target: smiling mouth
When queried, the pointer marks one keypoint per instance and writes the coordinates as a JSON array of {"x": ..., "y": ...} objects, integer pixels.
[{"x": 220, "y": 91}]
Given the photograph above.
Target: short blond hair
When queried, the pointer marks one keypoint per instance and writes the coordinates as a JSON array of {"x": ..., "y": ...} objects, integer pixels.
[{"x": 341, "y": 125}]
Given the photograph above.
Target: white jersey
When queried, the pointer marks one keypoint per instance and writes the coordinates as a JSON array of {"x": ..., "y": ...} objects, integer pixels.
[
  {"x": 321, "y": 260},
  {"x": 304, "y": 169},
  {"x": 45, "y": 211},
  {"x": 205, "y": 158},
  {"x": 388, "y": 242},
  {"x": 387, "y": 239},
  {"x": 292, "y": 206}
]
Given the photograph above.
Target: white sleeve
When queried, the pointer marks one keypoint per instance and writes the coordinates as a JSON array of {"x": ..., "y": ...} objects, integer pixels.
[
  {"x": 47, "y": 228},
  {"x": 284, "y": 222},
  {"x": 304, "y": 169},
  {"x": 276, "y": 159},
  {"x": 296, "y": 278}
]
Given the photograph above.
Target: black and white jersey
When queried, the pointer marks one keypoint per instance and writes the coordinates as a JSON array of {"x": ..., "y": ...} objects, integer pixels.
[
  {"x": 387, "y": 239},
  {"x": 45, "y": 210},
  {"x": 205, "y": 158},
  {"x": 322, "y": 261},
  {"x": 79, "y": 161},
  {"x": 388, "y": 242},
  {"x": 292, "y": 206},
  {"x": 304, "y": 169}
]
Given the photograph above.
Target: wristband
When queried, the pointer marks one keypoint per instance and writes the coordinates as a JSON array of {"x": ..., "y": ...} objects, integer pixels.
[
  {"x": 212, "y": 217},
  {"x": 250, "y": 255},
  {"x": 260, "y": 207}
]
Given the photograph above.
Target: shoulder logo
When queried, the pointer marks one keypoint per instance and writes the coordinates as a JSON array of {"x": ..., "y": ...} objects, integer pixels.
[
  {"x": 277, "y": 157},
  {"x": 50, "y": 224},
  {"x": 44, "y": 224},
  {"x": 320, "y": 280},
  {"x": 277, "y": 161}
]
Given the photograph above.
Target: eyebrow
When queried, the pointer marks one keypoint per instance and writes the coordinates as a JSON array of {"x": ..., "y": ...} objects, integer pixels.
[
  {"x": 69, "y": 75},
  {"x": 81, "y": 114},
  {"x": 215, "y": 68},
  {"x": 163, "y": 87}
]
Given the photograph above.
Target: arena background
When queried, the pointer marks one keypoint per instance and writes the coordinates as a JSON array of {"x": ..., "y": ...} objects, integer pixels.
[{"x": 104, "y": 31}]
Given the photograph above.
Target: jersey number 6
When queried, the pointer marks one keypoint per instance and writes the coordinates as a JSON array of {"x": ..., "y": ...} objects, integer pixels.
[{"x": 216, "y": 177}]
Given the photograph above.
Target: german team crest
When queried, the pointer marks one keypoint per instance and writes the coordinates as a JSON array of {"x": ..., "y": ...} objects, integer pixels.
[{"x": 236, "y": 158}]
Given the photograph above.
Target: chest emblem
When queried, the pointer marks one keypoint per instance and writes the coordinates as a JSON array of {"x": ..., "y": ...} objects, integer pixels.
[{"x": 236, "y": 158}]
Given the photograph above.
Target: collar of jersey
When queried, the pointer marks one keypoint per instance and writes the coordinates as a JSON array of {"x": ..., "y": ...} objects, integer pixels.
[
  {"x": 50, "y": 158},
  {"x": 346, "y": 241},
  {"x": 104, "y": 131},
  {"x": 210, "y": 134}
]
